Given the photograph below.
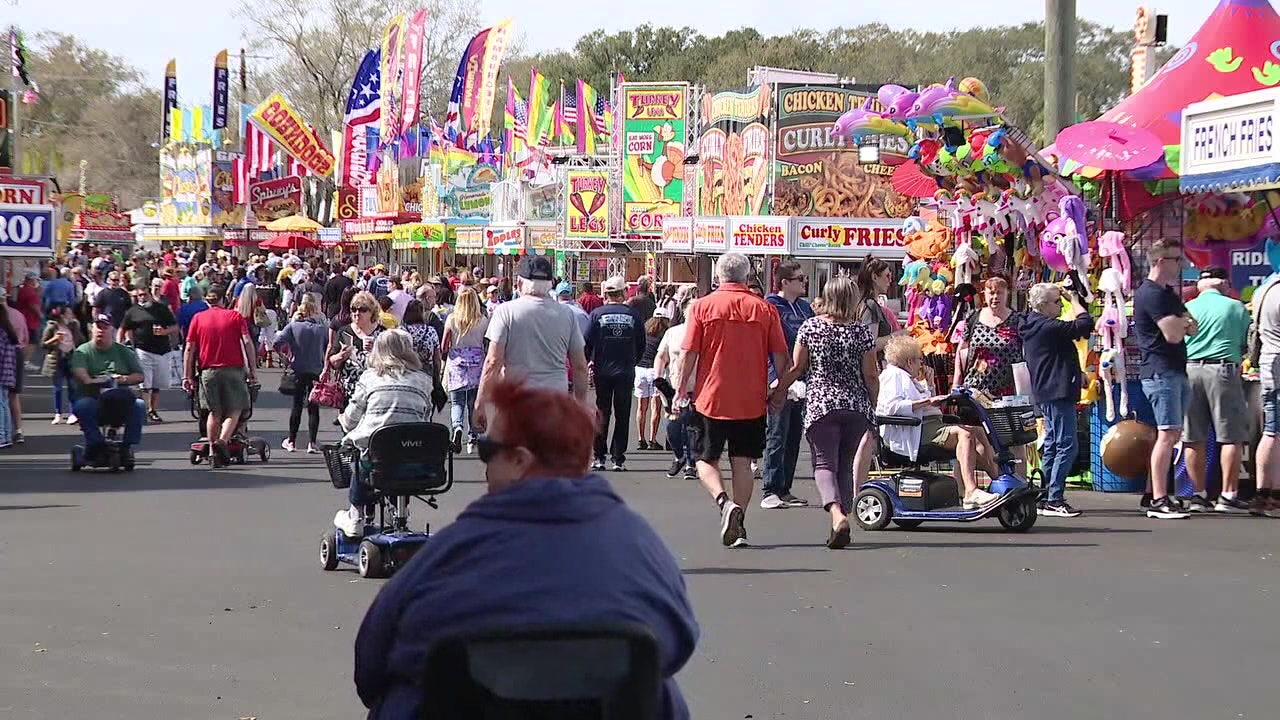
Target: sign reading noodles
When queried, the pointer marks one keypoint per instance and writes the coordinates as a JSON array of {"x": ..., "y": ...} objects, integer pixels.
[
  {"x": 817, "y": 173},
  {"x": 734, "y": 154}
]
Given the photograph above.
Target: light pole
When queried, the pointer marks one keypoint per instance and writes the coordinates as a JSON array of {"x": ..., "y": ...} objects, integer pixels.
[{"x": 1059, "y": 61}]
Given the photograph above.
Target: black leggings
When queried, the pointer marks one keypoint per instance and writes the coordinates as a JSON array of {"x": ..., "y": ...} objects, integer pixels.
[{"x": 300, "y": 394}]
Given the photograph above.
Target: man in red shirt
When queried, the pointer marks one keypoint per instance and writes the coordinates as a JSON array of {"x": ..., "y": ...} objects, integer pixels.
[
  {"x": 218, "y": 344},
  {"x": 172, "y": 290},
  {"x": 732, "y": 334},
  {"x": 589, "y": 300}
]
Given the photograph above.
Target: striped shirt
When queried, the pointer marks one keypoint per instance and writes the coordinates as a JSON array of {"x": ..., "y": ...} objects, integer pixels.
[{"x": 381, "y": 400}]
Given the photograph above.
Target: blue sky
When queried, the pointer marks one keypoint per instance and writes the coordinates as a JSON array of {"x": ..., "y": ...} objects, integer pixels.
[{"x": 148, "y": 33}]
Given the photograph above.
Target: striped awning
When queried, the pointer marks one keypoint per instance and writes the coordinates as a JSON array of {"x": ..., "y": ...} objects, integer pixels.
[{"x": 1258, "y": 177}]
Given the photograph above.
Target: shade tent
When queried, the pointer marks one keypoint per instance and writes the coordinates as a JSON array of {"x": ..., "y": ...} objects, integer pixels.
[
  {"x": 1236, "y": 50},
  {"x": 290, "y": 242},
  {"x": 294, "y": 223}
]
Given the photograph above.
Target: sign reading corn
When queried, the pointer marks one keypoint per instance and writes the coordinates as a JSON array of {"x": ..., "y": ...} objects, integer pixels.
[{"x": 653, "y": 127}]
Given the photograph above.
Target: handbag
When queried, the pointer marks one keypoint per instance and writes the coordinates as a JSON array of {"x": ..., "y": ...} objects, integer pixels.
[
  {"x": 327, "y": 392},
  {"x": 288, "y": 382},
  {"x": 50, "y": 365}
]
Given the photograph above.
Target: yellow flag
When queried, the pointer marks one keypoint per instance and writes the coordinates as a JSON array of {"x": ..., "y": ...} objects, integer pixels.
[
  {"x": 197, "y": 123},
  {"x": 175, "y": 125}
]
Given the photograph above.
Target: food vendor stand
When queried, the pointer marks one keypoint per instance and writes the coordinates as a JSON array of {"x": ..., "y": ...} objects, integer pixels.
[
  {"x": 372, "y": 237},
  {"x": 27, "y": 228},
  {"x": 828, "y": 247}
]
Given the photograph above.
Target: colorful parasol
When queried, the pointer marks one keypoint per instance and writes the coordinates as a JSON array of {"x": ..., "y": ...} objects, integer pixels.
[
  {"x": 292, "y": 241},
  {"x": 908, "y": 180},
  {"x": 294, "y": 223},
  {"x": 1108, "y": 146}
]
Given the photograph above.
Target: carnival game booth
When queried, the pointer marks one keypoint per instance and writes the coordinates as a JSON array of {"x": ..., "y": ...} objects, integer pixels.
[{"x": 27, "y": 228}]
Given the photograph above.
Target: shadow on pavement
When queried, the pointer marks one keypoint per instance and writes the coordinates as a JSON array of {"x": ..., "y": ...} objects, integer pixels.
[
  {"x": 892, "y": 545},
  {"x": 749, "y": 571},
  {"x": 34, "y": 507}
]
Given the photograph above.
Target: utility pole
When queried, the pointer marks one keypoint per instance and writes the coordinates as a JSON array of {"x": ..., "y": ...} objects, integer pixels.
[
  {"x": 1059, "y": 65},
  {"x": 15, "y": 130}
]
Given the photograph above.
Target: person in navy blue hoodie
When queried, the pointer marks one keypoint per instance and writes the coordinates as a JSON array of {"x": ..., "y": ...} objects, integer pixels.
[
  {"x": 785, "y": 427},
  {"x": 548, "y": 544},
  {"x": 1048, "y": 345}
]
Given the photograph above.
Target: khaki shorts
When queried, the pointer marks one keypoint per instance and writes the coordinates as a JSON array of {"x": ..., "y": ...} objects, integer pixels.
[
  {"x": 1217, "y": 400},
  {"x": 936, "y": 434},
  {"x": 224, "y": 392}
]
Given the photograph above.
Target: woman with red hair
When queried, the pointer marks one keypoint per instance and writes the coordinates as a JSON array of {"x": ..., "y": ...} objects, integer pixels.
[{"x": 547, "y": 544}]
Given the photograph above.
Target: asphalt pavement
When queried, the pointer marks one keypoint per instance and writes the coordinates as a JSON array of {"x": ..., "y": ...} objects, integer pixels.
[{"x": 180, "y": 592}]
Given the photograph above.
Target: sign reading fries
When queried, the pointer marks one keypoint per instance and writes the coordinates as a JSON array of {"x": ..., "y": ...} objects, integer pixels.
[{"x": 276, "y": 117}]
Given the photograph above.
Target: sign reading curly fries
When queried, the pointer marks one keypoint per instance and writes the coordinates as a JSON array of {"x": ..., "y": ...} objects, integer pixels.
[{"x": 817, "y": 172}]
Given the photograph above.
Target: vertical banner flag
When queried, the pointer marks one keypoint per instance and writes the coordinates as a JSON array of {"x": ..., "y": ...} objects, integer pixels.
[
  {"x": 539, "y": 109},
  {"x": 587, "y": 208},
  {"x": 364, "y": 107},
  {"x": 390, "y": 78},
  {"x": 653, "y": 123},
  {"x": 588, "y": 125},
  {"x": 221, "y": 83},
  {"x": 467, "y": 82},
  {"x": 412, "y": 71},
  {"x": 498, "y": 40},
  {"x": 170, "y": 96}
]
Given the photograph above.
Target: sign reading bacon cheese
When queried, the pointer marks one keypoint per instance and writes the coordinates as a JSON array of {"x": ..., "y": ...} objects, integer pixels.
[
  {"x": 761, "y": 235},
  {"x": 276, "y": 117}
]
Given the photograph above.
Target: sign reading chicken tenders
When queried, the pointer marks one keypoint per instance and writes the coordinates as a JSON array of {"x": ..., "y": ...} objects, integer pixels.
[
  {"x": 653, "y": 135},
  {"x": 817, "y": 172},
  {"x": 586, "y": 210}
]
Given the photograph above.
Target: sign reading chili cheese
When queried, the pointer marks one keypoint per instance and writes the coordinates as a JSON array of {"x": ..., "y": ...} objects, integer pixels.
[
  {"x": 276, "y": 117},
  {"x": 758, "y": 235},
  {"x": 847, "y": 238}
]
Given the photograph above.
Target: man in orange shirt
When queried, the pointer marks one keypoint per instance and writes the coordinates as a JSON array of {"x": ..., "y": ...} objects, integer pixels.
[{"x": 731, "y": 336}]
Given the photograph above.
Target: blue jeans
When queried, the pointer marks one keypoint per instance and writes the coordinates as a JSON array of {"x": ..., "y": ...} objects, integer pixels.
[
  {"x": 89, "y": 408},
  {"x": 1059, "y": 451},
  {"x": 61, "y": 377},
  {"x": 677, "y": 435},
  {"x": 1270, "y": 411},
  {"x": 463, "y": 401},
  {"x": 782, "y": 448},
  {"x": 1169, "y": 394}
]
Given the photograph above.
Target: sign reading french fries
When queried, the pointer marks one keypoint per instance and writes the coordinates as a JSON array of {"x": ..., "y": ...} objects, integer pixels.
[{"x": 733, "y": 153}]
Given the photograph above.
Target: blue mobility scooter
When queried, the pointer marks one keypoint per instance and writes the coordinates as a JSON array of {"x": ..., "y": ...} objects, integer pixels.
[
  {"x": 403, "y": 461},
  {"x": 113, "y": 454},
  {"x": 912, "y": 495}
]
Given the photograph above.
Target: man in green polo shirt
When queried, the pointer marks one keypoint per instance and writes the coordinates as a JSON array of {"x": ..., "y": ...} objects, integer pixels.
[{"x": 1217, "y": 395}]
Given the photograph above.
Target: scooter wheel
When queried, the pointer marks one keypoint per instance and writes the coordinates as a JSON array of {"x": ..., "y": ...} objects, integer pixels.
[
  {"x": 370, "y": 561},
  {"x": 195, "y": 458},
  {"x": 908, "y": 524},
  {"x": 265, "y": 453},
  {"x": 328, "y": 552},
  {"x": 872, "y": 509},
  {"x": 76, "y": 460},
  {"x": 1019, "y": 516}
]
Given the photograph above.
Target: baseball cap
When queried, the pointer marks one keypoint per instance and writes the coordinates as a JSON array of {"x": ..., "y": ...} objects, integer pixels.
[
  {"x": 380, "y": 266},
  {"x": 564, "y": 288},
  {"x": 662, "y": 313},
  {"x": 492, "y": 289},
  {"x": 102, "y": 318},
  {"x": 536, "y": 267},
  {"x": 1214, "y": 272},
  {"x": 617, "y": 283}
]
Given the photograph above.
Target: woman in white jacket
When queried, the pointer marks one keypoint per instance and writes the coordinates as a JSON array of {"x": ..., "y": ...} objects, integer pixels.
[{"x": 904, "y": 393}]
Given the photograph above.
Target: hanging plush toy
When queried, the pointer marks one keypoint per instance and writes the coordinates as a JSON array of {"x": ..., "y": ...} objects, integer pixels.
[
  {"x": 1064, "y": 245},
  {"x": 1113, "y": 327},
  {"x": 966, "y": 262},
  {"x": 1111, "y": 246}
]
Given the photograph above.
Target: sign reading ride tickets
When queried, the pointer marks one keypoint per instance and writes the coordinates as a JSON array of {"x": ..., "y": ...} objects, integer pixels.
[
  {"x": 761, "y": 235},
  {"x": 276, "y": 117},
  {"x": 587, "y": 204},
  {"x": 653, "y": 151}
]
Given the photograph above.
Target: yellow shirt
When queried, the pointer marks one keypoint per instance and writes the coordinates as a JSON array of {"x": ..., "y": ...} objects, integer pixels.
[
  {"x": 388, "y": 320},
  {"x": 284, "y": 273}
]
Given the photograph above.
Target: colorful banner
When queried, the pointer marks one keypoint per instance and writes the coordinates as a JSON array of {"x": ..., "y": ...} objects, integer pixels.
[
  {"x": 499, "y": 38},
  {"x": 539, "y": 108},
  {"x": 653, "y": 127},
  {"x": 274, "y": 199},
  {"x": 170, "y": 99},
  {"x": 467, "y": 83},
  {"x": 185, "y": 194},
  {"x": 26, "y": 230},
  {"x": 223, "y": 209},
  {"x": 412, "y": 72},
  {"x": 817, "y": 173},
  {"x": 391, "y": 78},
  {"x": 587, "y": 210},
  {"x": 276, "y": 117},
  {"x": 363, "y": 110},
  {"x": 221, "y": 90},
  {"x": 734, "y": 154}
]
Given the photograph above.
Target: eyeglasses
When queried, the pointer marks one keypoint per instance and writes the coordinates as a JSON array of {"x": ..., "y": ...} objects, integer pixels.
[
  {"x": 487, "y": 448},
  {"x": 798, "y": 278}
]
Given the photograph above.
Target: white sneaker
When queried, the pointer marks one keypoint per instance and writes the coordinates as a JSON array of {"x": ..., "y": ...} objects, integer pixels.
[
  {"x": 731, "y": 525},
  {"x": 471, "y": 448},
  {"x": 57, "y": 419},
  {"x": 312, "y": 449},
  {"x": 349, "y": 522},
  {"x": 287, "y": 444},
  {"x": 72, "y": 420},
  {"x": 773, "y": 502},
  {"x": 978, "y": 498}
]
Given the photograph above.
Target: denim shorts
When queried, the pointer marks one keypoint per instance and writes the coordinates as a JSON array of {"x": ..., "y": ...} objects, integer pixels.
[
  {"x": 1270, "y": 411},
  {"x": 1169, "y": 395}
]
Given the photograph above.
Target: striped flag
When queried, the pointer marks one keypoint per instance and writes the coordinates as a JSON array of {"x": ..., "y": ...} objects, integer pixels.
[
  {"x": 539, "y": 107},
  {"x": 293, "y": 168},
  {"x": 588, "y": 121}
]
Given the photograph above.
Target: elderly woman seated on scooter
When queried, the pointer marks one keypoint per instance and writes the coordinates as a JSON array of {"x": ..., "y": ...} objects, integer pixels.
[
  {"x": 904, "y": 391},
  {"x": 392, "y": 390}
]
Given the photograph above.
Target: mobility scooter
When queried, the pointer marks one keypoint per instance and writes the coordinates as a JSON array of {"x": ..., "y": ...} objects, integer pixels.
[
  {"x": 241, "y": 445},
  {"x": 113, "y": 455},
  {"x": 403, "y": 461},
  {"x": 912, "y": 495}
]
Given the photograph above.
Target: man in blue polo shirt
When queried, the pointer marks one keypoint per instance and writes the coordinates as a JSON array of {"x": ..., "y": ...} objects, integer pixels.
[
  {"x": 1161, "y": 325},
  {"x": 786, "y": 427}
]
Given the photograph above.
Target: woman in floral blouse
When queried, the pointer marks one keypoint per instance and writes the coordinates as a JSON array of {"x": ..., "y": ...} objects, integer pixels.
[
  {"x": 839, "y": 354},
  {"x": 991, "y": 345}
]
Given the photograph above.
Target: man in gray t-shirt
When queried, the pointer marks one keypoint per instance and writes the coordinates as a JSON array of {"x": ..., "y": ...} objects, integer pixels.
[{"x": 534, "y": 337}]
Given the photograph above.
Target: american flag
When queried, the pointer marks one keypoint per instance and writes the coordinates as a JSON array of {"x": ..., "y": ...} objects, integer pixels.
[
  {"x": 363, "y": 102},
  {"x": 521, "y": 130},
  {"x": 569, "y": 108}
]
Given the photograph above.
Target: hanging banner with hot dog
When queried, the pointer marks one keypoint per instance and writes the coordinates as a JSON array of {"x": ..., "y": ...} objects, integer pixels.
[
  {"x": 587, "y": 210},
  {"x": 653, "y": 130},
  {"x": 276, "y": 117}
]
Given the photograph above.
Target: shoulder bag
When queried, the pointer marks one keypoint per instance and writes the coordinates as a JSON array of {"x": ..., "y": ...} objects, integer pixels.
[{"x": 327, "y": 391}]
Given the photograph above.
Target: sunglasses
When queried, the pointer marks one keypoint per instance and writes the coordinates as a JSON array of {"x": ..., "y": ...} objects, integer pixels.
[
  {"x": 487, "y": 448},
  {"x": 361, "y": 309}
]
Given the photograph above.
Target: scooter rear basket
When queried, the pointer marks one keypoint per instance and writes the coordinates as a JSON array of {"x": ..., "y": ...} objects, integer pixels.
[{"x": 1014, "y": 425}]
